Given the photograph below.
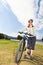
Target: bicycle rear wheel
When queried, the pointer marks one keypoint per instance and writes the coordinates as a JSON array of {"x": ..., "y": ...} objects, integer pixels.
[{"x": 19, "y": 51}]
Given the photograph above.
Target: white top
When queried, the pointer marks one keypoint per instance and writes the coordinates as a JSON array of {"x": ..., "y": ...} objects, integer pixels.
[{"x": 30, "y": 30}]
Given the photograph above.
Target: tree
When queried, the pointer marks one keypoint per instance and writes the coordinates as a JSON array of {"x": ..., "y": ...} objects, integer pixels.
[
  {"x": 42, "y": 39},
  {"x": 19, "y": 37},
  {"x": 1, "y": 36}
]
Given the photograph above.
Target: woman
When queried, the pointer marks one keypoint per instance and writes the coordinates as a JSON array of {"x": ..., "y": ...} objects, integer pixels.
[{"x": 31, "y": 39}]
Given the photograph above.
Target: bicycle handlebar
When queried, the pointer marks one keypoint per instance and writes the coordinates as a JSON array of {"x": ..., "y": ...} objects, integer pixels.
[{"x": 26, "y": 33}]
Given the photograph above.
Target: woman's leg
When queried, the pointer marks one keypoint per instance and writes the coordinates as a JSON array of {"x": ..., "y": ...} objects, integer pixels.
[
  {"x": 27, "y": 51},
  {"x": 31, "y": 54}
]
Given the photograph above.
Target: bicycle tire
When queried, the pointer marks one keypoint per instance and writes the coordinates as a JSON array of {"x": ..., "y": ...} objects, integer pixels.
[{"x": 16, "y": 56}]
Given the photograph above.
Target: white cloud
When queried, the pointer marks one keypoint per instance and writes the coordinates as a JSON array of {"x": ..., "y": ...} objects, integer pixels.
[
  {"x": 13, "y": 34},
  {"x": 39, "y": 24},
  {"x": 39, "y": 36},
  {"x": 38, "y": 9},
  {"x": 23, "y": 9},
  {"x": 41, "y": 8}
]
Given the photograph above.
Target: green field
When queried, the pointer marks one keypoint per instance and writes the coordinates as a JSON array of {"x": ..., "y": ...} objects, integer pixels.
[{"x": 8, "y": 50}]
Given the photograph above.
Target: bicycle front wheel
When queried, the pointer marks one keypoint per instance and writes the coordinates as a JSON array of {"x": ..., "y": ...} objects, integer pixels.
[{"x": 19, "y": 51}]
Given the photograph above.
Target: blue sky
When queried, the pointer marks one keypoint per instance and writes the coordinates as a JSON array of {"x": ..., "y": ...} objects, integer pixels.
[
  {"x": 8, "y": 21},
  {"x": 14, "y": 15}
]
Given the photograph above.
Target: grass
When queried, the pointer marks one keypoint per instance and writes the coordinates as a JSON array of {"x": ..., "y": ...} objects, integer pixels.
[{"x": 8, "y": 49}]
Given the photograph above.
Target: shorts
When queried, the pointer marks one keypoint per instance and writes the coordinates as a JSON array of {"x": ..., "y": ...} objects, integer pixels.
[{"x": 31, "y": 43}]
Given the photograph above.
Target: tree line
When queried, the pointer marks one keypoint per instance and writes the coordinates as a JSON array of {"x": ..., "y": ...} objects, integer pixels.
[{"x": 3, "y": 36}]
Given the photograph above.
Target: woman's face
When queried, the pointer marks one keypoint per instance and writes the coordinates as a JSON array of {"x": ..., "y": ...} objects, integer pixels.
[{"x": 30, "y": 23}]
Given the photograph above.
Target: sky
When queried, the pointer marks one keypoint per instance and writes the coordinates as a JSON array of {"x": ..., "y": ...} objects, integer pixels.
[{"x": 14, "y": 15}]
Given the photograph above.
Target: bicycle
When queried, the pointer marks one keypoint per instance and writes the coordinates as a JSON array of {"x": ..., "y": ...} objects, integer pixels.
[{"x": 21, "y": 47}]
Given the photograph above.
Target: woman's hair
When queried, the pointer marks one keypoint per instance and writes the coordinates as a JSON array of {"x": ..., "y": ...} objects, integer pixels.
[
  {"x": 30, "y": 20},
  {"x": 29, "y": 26}
]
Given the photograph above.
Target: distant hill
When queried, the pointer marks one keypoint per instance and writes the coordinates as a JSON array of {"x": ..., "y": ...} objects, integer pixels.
[
  {"x": 38, "y": 40},
  {"x": 11, "y": 37},
  {"x": 5, "y": 36}
]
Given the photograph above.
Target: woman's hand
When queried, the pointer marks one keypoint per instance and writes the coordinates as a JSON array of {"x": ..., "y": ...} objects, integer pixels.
[{"x": 30, "y": 34}]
